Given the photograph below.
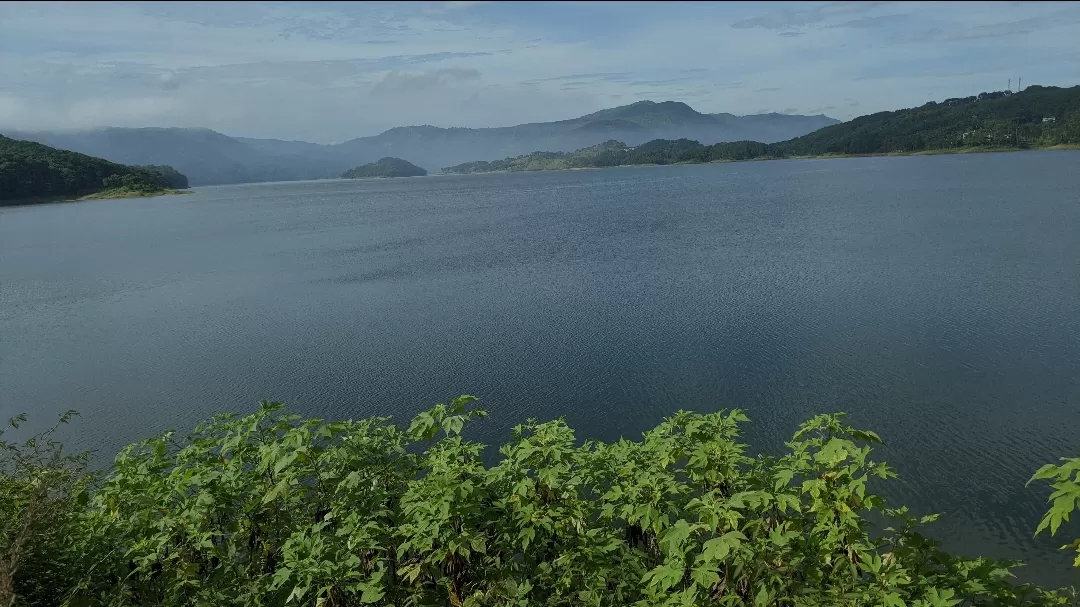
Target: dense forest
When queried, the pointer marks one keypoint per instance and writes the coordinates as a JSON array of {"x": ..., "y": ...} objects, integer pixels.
[
  {"x": 1037, "y": 117},
  {"x": 385, "y": 167},
  {"x": 31, "y": 171},
  {"x": 273, "y": 509}
]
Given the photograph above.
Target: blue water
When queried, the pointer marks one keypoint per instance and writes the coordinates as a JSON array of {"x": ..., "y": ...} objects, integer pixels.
[{"x": 935, "y": 299}]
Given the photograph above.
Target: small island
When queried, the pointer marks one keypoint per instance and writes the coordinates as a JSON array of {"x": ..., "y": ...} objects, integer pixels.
[{"x": 385, "y": 167}]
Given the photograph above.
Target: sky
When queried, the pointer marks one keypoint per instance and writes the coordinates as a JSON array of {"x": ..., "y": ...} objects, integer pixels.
[{"x": 329, "y": 72}]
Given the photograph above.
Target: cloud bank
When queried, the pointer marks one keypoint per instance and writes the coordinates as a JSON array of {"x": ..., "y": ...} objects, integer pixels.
[{"x": 333, "y": 71}]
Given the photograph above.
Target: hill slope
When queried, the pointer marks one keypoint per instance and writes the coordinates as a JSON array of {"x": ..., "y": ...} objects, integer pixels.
[
  {"x": 1037, "y": 117},
  {"x": 209, "y": 157},
  {"x": 32, "y": 170},
  {"x": 385, "y": 167},
  {"x": 206, "y": 156},
  {"x": 987, "y": 119}
]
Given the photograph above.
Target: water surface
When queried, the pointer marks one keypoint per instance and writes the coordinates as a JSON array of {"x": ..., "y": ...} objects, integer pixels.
[{"x": 935, "y": 299}]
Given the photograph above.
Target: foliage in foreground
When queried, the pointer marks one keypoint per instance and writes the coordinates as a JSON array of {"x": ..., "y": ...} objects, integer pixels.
[
  {"x": 1065, "y": 499},
  {"x": 273, "y": 509}
]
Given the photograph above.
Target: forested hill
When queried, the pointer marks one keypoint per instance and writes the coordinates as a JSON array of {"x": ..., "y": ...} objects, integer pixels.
[
  {"x": 385, "y": 167},
  {"x": 1035, "y": 118},
  {"x": 31, "y": 170},
  {"x": 1039, "y": 116}
]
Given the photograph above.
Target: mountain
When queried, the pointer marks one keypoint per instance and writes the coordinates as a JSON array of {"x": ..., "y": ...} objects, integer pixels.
[
  {"x": 283, "y": 148},
  {"x": 208, "y": 157},
  {"x": 31, "y": 170},
  {"x": 636, "y": 123},
  {"x": 385, "y": 167},
  {"x": 1037, "y": 117},
  {"x": 769, "y": 128},
  {"x": 652, "y": 115}
]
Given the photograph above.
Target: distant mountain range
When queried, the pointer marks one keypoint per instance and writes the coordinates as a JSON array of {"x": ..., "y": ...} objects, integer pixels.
[{"x": 209, "y": 157}]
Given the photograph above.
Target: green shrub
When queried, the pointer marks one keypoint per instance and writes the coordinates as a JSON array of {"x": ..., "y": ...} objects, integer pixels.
[
  {"x": 43, "y": 511},
  {"x": 1064, "y": 500},
  {"x": 273, "y": 509}
]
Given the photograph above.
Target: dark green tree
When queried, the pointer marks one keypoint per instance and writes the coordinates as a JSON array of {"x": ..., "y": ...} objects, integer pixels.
[{"x": 31, "y": 170}]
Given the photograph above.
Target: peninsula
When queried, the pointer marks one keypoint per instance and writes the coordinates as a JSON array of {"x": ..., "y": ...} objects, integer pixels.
[{"x": 32, "y": 172}]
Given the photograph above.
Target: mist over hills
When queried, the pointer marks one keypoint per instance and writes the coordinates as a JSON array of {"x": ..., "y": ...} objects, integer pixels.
[
  {"x": 1037, "y": 117},
  {"x": 208, "y": 157}
]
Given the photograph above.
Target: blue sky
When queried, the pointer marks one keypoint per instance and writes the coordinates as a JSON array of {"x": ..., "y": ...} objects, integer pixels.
[{"x": 333, "y": 71}]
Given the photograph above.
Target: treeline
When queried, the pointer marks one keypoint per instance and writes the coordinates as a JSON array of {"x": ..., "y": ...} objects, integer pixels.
[
  {"x": 31, "y": 170},
  {"x": 273, "y": 509},
  {"x": 615, "y": 153},
  {"x": 1037, "y": 117}
]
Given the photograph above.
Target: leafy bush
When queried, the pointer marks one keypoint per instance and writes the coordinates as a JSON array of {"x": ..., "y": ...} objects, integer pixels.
[
  {"x": 1064, "y": 500},
  {"x": 273, "y": 509},
  {"x": 43, "y": 499}
]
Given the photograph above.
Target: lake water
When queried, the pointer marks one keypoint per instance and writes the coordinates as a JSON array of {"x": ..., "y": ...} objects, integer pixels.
[{"x": 935, "y": 299}]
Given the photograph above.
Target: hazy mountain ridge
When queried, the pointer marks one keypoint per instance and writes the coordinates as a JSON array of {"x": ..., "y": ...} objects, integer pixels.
[
  {"x": 208, "y": 157},
  {"x": 204, "y": 155},
  {"x": 1037, "y": 117}
]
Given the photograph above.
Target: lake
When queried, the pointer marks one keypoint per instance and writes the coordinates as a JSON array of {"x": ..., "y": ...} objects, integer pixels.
[{"x": 935, "y": 299}]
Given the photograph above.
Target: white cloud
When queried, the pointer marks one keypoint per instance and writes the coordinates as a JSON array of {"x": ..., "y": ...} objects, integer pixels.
[
  {"x": 134, "y": 109},
  {"x": 335, "y": 71},
  {"x": 786, "y": 17},
  {"x": 396, "y": 83}
]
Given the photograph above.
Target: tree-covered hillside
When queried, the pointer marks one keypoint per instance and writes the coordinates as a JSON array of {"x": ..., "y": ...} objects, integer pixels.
[
  {"x": 31, "y": 170},
  {"x": 1037, "y": 117},
  {"x": 205, "y": 156},
  {"x": 385, "y": 167}
]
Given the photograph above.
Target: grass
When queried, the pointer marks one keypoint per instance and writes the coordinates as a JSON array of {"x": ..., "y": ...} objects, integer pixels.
[
  {"x": 111, "y": 194},
  {"x": 129, "y": 193}
]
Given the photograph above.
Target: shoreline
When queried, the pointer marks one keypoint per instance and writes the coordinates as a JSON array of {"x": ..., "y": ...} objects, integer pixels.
[
  {"x": 115, "y": 194},
  {"x": 122, "y": 193},
  {"x": 938, "y": 152}
]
